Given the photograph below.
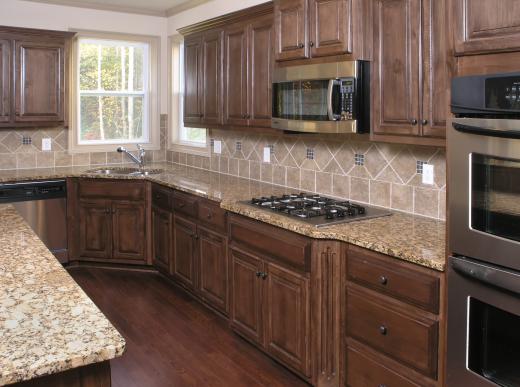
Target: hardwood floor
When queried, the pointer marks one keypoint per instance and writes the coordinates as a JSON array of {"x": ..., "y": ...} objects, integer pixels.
[{"x": 171, "y": 339}]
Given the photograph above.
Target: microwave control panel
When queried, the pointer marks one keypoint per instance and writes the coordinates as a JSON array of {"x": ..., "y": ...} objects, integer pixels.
[{"x": 347, "y": 91}]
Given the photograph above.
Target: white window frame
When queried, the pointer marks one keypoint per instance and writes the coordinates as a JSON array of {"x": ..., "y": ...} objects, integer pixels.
[
  {"x": 176, "y": 100},
  {"x": 150, "y": 88}
]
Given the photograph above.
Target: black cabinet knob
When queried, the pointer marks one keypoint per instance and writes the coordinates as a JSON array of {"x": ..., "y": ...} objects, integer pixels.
[
  {"x": 424, "y": 122},
  {"x": 301, "y": 45},
  {"x": 382, "y": 385},
  {"x": 258, "y": 273},
  {"x": 383, "y": 330},
  {"x": 311, "y": 43},
  {"x": 264, "y": 276},
  {"x": 383, "y": 280},
  {"x": 414, "y": 122}
]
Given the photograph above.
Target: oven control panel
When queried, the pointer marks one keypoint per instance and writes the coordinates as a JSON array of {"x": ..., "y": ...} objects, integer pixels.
[{"x": 503, "y": 93}]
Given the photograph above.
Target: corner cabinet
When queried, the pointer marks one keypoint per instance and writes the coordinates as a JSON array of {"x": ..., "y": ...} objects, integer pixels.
[
  {"x": 409, "y": 71},
  {"x": 34, "y": 90}
]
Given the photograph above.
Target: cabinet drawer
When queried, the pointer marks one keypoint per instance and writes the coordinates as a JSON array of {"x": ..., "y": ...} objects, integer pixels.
[
  {"x": 271, "y": 242},
  {"x": 211, "y": 215},
  {"x": 162, "y": 197},
  {"x": 112, "y": 189},
  {"x": 390, "y": 276},
  {"x": 410, "y": 339},
  {"x": 362, "y": 370},
  {"x": 185, "y": 203}
]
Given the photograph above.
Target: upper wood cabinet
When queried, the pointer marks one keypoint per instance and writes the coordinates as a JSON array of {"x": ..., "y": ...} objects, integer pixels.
[
  {"x": 291, "y": 29},
  {"x": 248, "y": 63},
  {"x": 192, "y": 80},
  {"x": 409, "y": 47},
  {"x": 34, "y": 90},
  {"x": 330, "y": 27},
  {"x": 212, "y": 77},
  {"x": 484, "y": 26}
]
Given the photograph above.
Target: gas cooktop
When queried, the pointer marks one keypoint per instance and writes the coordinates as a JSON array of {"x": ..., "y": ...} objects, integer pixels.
[{"x": 317, "y": 210}]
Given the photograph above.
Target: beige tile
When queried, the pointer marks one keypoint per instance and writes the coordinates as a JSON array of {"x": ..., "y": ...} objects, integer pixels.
[
  {"x": 324, "y": 183},
  {"x": 254, "y": 170},
  {"x": 205, "y": 163},
  {"x": 341, "y": 186},
  {"x": 379, "y": 193},
  {"x": 45, "y": 159},
  {"x": 402, "y": 197},
  {"x": 98, "y": 158},
  {"x": 243, "y": 168},
  {"x": 224, "y": 165},
  {"x": 81, "y": 159},
  {"x": 374, "y": 161},
  {"x": 159, "y": 156},
  {"x": 61, "y": 141},
  {"x": 439, "y": 168},
  {"x": 7, "y": 161},
  {"x": 359, "y": 189},
  {"x": 388, "y": 150},
  {"x": 266, "y": 172},
  {"x": 426, "y": 202},
  {"x": 345, "y": 158},
  {"x": 112, "y": 158},
  {"x": 308, "y": 180},
  {"x": 279, "y": 175},
  {"x": 389, "y": 175},
  {"x": 25, "y": 160},
  {"x": 190, "y": 160},
  {"x": 63, "y": 159},
  {"x": 12, "y": 141},
  {"x": 424, "y": 153},
  {"x": 293, "y": 177},
  {"x": 214, "y": 163},
  {"x": 405, "y": 164},
  {"x": 182, "y": 158},
  {"x": 233, "y": 167},
  {"x": 442, "y": 205}
]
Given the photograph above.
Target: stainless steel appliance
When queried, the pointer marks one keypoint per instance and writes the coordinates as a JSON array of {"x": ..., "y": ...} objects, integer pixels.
[
  {"x": 484, "y": 224},
  {"x": 43, "y": 205},
  {"x": 322, "y": 98},
  {"x": 317, "y": 210}
]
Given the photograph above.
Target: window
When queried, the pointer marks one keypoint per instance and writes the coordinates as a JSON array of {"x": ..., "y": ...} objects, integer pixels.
[
  {"x": 116, "y": 92},
  {"x": 183, "y": 138}
]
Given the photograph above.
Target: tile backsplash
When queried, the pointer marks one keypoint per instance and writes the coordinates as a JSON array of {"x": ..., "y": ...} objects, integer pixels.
[
  {"x": 22, "y": 149},
  {"x": 381, "y": 174}
]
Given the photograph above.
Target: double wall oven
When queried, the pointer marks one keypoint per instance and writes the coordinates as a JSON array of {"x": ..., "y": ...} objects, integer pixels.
[{"x": 484, "y": 224}]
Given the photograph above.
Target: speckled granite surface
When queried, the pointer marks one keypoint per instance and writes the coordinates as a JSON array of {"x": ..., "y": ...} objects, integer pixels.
[
  {"x": 412, "y": 238},
  {"x": 47, "y": 323}
]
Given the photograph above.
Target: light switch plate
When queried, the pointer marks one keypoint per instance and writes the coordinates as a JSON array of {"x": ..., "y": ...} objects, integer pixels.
[
  {"x": 267, "y": 154},
  {"x": 217, "y": 147},
  {"x": 427, "y": 175},
  {"x": 46, "y": 144}
]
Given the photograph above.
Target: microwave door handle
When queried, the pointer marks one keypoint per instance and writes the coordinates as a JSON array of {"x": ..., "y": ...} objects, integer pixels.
[
  {"x": 495, "y": 276},
  {"x": 330, "y": 90}
]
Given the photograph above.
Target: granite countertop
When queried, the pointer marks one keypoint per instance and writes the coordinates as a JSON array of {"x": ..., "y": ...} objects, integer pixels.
[
  {"x": 47, "y": 323},
  {"x": 408, "y": 237}
]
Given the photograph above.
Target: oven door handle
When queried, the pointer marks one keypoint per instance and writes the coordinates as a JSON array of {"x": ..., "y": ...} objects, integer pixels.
[
  {"x": 489, "y": 274},
  {"x": 330, "y": 90},
  {"x": 507, "y": 128}
]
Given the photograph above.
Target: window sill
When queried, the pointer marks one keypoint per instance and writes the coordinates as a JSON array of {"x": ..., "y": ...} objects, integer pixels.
[{"x": 109, "y": 148}]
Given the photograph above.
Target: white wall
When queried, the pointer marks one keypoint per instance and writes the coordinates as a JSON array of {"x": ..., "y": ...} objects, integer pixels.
[
  {"x": 18, "y": 13},
  {"x": 206, "y": 11}
]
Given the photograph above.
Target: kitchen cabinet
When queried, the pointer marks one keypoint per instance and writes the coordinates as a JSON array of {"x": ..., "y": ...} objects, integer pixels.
[
  {"x": 95, "y": 229},
  {"x": 184, "y": 265},
  {"x": 34, "y": 89},
  {"x": 291, "y": 29},
  {"x": 129, "y": 234},
  {"x": 162, "y": 224},
  {"x": 192, "y": 80},
  {"x": 409, "y": 47},
  {"x": 485, "y": 26},
  {"x": 236, "y": 85}
]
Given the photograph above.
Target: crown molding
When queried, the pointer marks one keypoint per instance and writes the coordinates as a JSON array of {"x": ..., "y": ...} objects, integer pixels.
[{"x": 184, "y": 7}]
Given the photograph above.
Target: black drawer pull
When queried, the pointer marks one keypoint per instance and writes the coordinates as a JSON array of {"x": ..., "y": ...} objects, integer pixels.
[
  {"x": 383, "y": 280},
  {"x": 383, "y": 330}
]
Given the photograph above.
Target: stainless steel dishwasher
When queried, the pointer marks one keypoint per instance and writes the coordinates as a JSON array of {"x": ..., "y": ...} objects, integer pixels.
[{"x": 43, "y": 205}]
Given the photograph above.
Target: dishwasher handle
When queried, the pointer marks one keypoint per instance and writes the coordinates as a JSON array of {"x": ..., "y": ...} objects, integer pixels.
[{"x": 32, "y": 190}]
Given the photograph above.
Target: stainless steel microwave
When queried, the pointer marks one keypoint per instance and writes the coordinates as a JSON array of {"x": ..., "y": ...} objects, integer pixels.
[{"x": 322, "y": 98}]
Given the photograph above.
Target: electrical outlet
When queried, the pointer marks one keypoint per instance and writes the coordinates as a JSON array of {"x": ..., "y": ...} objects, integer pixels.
[
  {"x": 267, "y": 154},
  {"x": 46, "y": 144},
  {"x": 217, "y": 147},
  {"x": 427, "y": 174}
]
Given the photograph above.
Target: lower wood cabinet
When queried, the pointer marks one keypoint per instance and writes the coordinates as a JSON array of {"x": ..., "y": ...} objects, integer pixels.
[
  {"x": 270, "y": 306},
  {"x": 95, "y": 229},
  {"x": 184, "y": 264},
  {"x": 162, "y": 226},
  {"x": 128, "y": 231}
]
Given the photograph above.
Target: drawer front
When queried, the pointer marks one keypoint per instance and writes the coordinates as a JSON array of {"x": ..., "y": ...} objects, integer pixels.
[
  {"x": 112, "y": 189},
  {"x": 388, "y": 275},
  {"x": 272, "y": 242},
  {"x": 185, "y": 203},
  {"x": 162, "y": 197},
  {"x": 362, "y": 370},
  {"x": 211, "y": 215},
  {"x": 411, "y": 340}
]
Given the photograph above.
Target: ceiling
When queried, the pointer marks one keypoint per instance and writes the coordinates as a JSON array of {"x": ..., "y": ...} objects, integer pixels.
[{"x": 149, "y": 7}]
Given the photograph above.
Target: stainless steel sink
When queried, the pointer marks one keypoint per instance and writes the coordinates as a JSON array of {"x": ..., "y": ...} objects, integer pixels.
[{"x": 125, "y": 171}]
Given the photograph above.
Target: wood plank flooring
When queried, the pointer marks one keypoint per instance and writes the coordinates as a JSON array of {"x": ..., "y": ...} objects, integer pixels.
[{"x": 171, "y": 339}]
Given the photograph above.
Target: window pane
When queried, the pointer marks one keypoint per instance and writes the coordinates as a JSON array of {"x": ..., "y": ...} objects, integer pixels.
[
  {"x": 88, "y": 71},
  {"x": 196, "y": 135},
  {"x": 111, "y": 118}
]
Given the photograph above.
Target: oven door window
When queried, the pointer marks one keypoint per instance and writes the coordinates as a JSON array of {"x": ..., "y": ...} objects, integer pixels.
[
  {"x": 495, "y": 196},
  {"x": 494, "y": 343},
  {"x": 303, "y": 100}
]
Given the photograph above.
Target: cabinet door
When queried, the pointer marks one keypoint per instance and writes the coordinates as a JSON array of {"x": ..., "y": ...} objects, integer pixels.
[
  {"x": 396, "y": 68},
  {"x": 287, "y": 317},
  {"x": 212, "y": 77},
  {"x": 260, "y": 71},
  {"x": 246, "y": 295},
  {"x": 235, "y": 102},
  {"x": 192, "y": 80},
  {"x": 330, "y": 27},
  {"x": 161, "y": 237},
  {"x": 483, "y": 26},
  {"x": 213, "y": 271},
  {"x": 184, "y": 266},
  {"x": 291, "y": 29},
  {"x": 95, "y": 229},
  {"x": 5, "y": 81},
  {"x": 435, "y": 69},
  {"x": 39, "y": 86},
  {"x": 129, "y": 230}
]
